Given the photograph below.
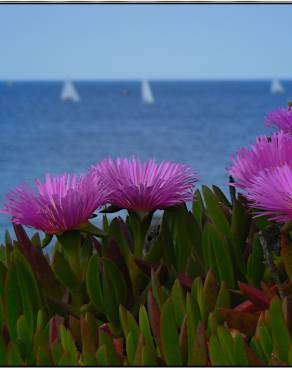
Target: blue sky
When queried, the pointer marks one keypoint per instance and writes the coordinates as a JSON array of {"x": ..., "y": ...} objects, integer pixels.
[{"x": 145, "y": 41}]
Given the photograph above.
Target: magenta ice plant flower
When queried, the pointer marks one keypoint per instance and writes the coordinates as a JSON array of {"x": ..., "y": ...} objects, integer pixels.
[
  {"x": 58, "y": 204},
  {"x": 280, "y": 118},
  {"x": 146, "y": 186},
  {"x": 267, "y": 153},
  {"x": 271, "y": 193}
]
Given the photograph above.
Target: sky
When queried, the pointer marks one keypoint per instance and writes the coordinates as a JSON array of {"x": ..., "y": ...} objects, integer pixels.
[{"x": 53, "y": 42}]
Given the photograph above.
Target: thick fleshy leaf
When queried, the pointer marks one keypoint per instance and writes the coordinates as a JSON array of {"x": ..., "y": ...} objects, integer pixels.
[
  {"x": 13, "y": 355},
  {"x": 148, "y": 358},
  {"x": 29, "y": 290},
  {"x": 239, "y": 233},
  {"x": 169, "y": 335},
  {"x": 39, "y": 264},
  {"x": 258, "y": 297},
  {"x": 178, "y": 300},
  {"x": 240, "y": 355},
  {"x": 198, "y": 208},
  {"x": 64, "y": 272},
  {"x": 154, "y": 315},
  {"x": 223, "y": 258},
  {"x": 216, "y": 353},
  {"x": 244, "y": 322},
  {"x": 198, "y": 349},
  {"x": 280, "y": 333},
  {"x": 111, "y": 355},
  {"x": 215, "y": 212},
  {"x": 144, "y": 326},
  {"x": 210, "y": 292},
  {"x": 93, "y": 282}
]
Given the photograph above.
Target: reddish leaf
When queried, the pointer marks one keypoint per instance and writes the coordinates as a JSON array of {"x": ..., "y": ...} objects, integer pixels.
[
  {"x": 39, "y": 263},
  {"x": 255, "y": 295},
  {"x": 185, "y": 280},
  {"x": 55, "y": 322},
  {"x": 246, "y": 306},
  {"x": 147, "y": 266},
  {"x": 154, "y": 315},
  {"x": 244, "y": 322},
  {"x": 119, "y": 345}
]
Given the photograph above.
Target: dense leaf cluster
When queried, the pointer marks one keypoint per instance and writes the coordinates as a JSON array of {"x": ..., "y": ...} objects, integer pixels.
[{"x": 191, "y": 288}]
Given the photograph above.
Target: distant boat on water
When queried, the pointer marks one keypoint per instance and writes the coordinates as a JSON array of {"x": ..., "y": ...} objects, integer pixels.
[
  {"x": 69, "y": 92},
  {"x": 125, "y": 92},
  {"x": 277, "y": 87},
  {"x": 146, "y": 93}
]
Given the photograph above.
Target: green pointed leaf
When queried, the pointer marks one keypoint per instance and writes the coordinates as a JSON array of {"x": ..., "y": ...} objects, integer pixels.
[
  {"x": 169, "y": 336},
  {"x": 29, "y": 290},
  {"x": 226, "y": 343},
  {"x": 280, "y": 333},
  {"x": 198, "y": 208},
  {"x": 198, "y": 350},
  {"x": 215, "y": 212},
  {"x": 223, "y": 258},
  {"x": 215, "y": 353},
  {"x": 93, "y": 282},
  {"x": 13, "y": 355},
  {"x": 106, "y": 340},
  {"x": 240, "y": 355},
  {"x": 178, "y": 300},
  {"x": 148, "y": 358},
  {"x": 255, "y": 265},
  {"x": 64, "y": 272},
  {"x": 144, "y": 326},
  {"x": 117, "y": 230},
  {"x": 223, "y": 300},
  {"x": 12, "y": 300},
  {"x": 239, "y": 232},
  {"x": 210, "y": 292},
  {"x": 193, "y": 318},
  {"x": 221, "y": 196},
  {"x": 71, "y": 243},
  {"x": 265, "y": 339},
  {"x": 89, "y": 228},
  {"x": 114, "y": 289},
  {"x": 102, "y": 356},
  {"x": 69, "y": 347}
]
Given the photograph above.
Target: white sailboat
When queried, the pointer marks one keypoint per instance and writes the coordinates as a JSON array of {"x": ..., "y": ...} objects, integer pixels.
[
  {"x": 69, "y": 92},
  {"x": 146, "y": 93},
  {"x": 276, "y": 87}
]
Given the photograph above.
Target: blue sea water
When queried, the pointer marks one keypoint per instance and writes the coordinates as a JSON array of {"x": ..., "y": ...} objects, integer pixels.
[{"x": 201, "y": 123}]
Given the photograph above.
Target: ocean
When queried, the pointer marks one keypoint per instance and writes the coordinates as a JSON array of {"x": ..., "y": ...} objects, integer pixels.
[{"x": 202, "y": 123}]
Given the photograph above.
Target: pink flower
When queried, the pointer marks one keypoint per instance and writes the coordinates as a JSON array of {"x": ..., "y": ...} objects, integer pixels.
[
  {"x": 60, "y": 203},
  {"x": 146, "y": 186},
  {"x": 280, "y": 118},
  {"x": 266, "y": 153},
  {"x": 271, "y": 192}
]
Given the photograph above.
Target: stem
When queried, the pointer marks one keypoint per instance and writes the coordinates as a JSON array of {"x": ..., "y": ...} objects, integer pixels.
[{"x": 269, "y": 261}]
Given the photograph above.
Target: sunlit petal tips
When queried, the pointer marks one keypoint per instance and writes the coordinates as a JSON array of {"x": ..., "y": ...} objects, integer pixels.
[
  {"x": 59, "y": 203},
  {"x": 280, "y": 118},
  {"x": 146, "y": 186},
  {"x": 271, "y": 193},
  {"x": 267, "y": 153}
]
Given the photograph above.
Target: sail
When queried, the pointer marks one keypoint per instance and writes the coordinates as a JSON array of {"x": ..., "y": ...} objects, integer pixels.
[
  {"x": 69, "y": 92},
  {"x": 276, "y": 87},
  {"x": 146, "y": 93}
]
